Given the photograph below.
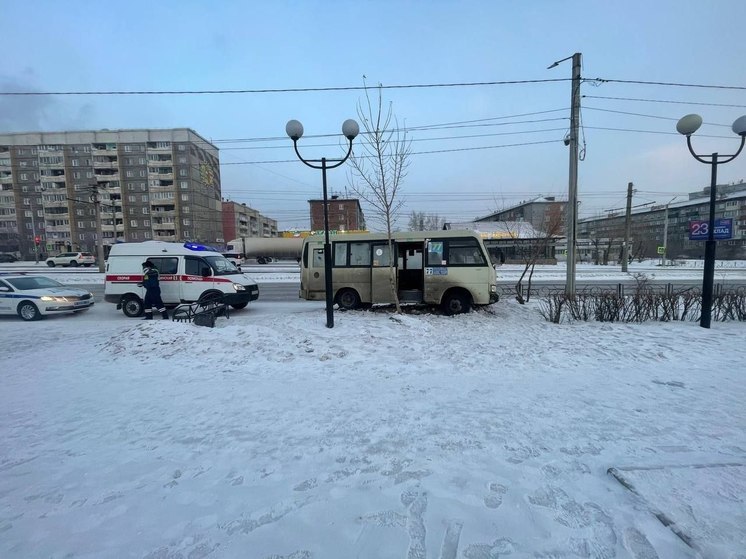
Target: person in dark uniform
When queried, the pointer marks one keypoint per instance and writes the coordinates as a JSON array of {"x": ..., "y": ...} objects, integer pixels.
[{"x": 151, "y": 283}]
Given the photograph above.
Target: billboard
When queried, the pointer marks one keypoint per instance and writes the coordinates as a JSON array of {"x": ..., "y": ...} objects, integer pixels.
[{"x": 699, "y": 229}]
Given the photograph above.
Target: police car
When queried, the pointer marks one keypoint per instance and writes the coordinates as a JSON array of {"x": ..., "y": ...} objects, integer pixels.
[{"x": 31, "y": 297}]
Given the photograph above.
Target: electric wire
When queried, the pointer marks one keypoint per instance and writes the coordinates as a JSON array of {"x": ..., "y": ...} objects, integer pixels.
[
  {"x": 637, "y": 99},
  {"x": 284, "y": 90}
]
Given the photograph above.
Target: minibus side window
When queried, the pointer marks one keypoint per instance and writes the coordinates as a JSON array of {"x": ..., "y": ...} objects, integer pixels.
[
  {"x": 435, "y": 255},
  {"x": 465, "y": 252},
  {"x": 318, "y": 258},
  {"x": 340, "y": 255},
  {"x": 360, "y": 254}
]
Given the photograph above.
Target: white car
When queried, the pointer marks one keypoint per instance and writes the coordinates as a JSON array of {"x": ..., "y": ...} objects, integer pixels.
[
  {"x": 32, "y": 297},
  {"x": 71, "y": 259}
]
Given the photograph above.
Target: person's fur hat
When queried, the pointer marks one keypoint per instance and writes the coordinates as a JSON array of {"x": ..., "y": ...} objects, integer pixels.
[{"x": 148, "y": 264}]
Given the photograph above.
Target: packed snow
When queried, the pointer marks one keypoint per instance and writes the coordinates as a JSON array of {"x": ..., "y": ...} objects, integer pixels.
[{"x": 389, "y": 436}]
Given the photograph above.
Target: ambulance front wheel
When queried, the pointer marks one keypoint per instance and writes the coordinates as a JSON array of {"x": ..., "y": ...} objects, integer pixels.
[{"x": 132, "y": 306}]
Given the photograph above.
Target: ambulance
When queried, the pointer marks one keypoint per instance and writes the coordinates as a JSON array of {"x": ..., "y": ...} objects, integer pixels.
[{"x": 187, "y": 272}]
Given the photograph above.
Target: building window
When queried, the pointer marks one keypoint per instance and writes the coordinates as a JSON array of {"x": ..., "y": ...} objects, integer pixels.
[
  {"x": 182, "y": 158},
  {"x": 186, "y": 221},
  {"x": 181, "y": 147},
  {"x": 145, "y": 211},
  {"x": 129, "y": 174},
  {"x": 146, "y": 235},
  {"x": 132, "y": 199},
  {"x": 133, "y": 223},
  {"x": 185, "y": 209},
  {"x": 146, "y": 222},
  {"x": 184, "y": 184},
  {"x": 183, "y": 173},
  {"x": 81, "y": 225},
  {"x": 142, "y": 172},
  {"x": 24, "y": 176},
  {"x": 144, "y": 197}
]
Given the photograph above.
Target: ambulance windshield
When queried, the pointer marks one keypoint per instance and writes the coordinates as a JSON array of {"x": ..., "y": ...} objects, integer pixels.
[{"x": 222, "y": 266}]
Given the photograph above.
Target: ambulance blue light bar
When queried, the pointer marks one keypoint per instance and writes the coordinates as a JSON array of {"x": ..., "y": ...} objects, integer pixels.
[{"x": 196, "y": 246}]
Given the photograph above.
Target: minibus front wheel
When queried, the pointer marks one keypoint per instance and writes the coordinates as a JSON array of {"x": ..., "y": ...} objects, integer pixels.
[{"x": 456, "y": 301}]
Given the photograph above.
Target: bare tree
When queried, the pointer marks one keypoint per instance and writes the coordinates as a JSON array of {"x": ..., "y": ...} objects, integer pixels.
[
  {"x": 420, "y": 221},
  {"x": 379, "y": 166},
  {"x": 553, "y": 226}
]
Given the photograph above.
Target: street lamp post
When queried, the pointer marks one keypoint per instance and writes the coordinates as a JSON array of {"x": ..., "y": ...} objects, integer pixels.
[
  {"x": 350, "y": 130},
  {"x": 687, "y": 126}
]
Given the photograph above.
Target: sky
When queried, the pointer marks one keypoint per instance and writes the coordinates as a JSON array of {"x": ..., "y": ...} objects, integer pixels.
[
  {"x": 502, "y": 144},
  {"x": 272, "y": 437}
]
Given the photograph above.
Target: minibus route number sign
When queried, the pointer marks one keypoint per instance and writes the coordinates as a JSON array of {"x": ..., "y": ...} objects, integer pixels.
[{"x": 438, "y": 271}]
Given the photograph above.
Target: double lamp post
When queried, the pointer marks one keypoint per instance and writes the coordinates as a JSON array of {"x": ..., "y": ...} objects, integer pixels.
[
  {"x": 687, "y": 126},
  {"x": 350, "y": 130}
]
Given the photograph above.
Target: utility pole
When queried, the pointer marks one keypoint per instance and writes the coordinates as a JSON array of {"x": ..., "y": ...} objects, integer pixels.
[
  {"x": 627, "y": 229},
  {"x": 99, "y": 231},
  {"x": 33, "y": 232},
  {"x": 572, "y": 198}
]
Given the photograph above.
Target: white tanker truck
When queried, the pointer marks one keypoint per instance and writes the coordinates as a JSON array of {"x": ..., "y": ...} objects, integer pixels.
[{"x": 264, "y": 249}]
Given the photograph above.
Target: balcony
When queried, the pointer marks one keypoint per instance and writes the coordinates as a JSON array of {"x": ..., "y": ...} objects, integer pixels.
[
  {"x": 159, "y": 214},
  {"x": 57, "y": 229},
  {"x": 55, "y": 203},
  {"x": 108, "y": 150},
  {"x": 152, "y": 147},
  {"x": 105, "y": 165},
  {"x": 164, "y": 226},
  {"x": 166, "y": 173},
  {"x": 169, "y": 238}
]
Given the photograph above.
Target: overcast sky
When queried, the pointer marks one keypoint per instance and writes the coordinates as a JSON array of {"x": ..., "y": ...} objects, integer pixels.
[{"x": 189, "y": 45}]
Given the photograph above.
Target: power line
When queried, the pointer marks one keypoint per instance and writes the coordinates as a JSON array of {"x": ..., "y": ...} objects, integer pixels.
[
  {"x": 653, "y": 132},
  {"x": 422, "y": 127},
  {"x": 670, "y": 84},
  {"x": 283, "y": 90},
  {"x": 648, "y": 116},
  {"x": 665, "y": 101},
  {"x": 412, "y": 153}
]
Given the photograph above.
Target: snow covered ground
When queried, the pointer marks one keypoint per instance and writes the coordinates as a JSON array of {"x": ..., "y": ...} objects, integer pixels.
[{"x": 415, "y": 436}]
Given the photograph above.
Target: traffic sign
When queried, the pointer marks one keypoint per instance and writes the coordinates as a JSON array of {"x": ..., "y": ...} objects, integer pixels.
[
  {"x": 661, "y": 250},
  {"x": 699, "y": 229}
]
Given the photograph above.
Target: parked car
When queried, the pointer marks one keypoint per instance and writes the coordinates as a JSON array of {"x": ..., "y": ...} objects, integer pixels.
[
  {"x": 7, "y": 257},
  {"x": 32, "y": 297},
  {"x": 71, "y": 259}
]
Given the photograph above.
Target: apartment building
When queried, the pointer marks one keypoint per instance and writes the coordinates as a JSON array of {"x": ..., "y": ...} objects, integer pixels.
[
  {"x": 345, "y": 214},
  {"x": 668, "y": 225},
  {"x": 152, "y": 184},
  {"x": 239, "y": 220}
]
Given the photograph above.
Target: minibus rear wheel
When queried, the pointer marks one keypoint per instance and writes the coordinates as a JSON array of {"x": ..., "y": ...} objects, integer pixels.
[{"x": 348, "y": 299}]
